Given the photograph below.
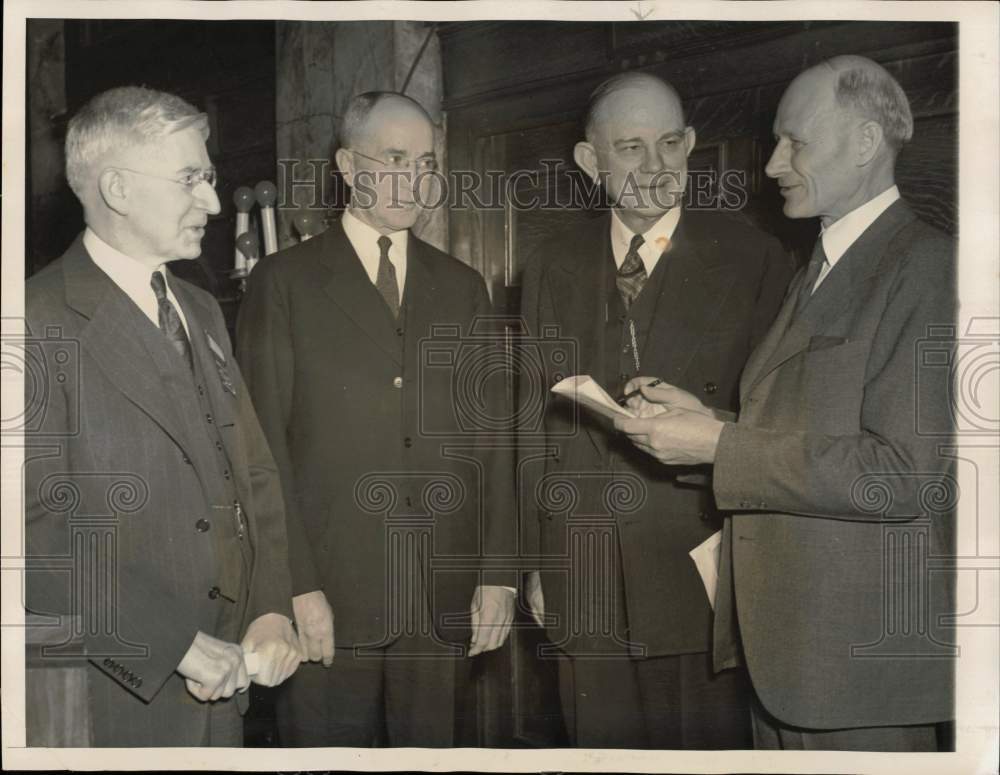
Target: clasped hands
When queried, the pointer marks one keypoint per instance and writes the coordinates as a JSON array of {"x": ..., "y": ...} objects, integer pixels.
[
  {"x": 671, "y": 424},
  {"x": 214, "y": 669}
]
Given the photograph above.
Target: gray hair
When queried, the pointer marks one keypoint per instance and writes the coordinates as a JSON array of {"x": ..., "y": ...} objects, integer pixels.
[
  {"x": 869, "y": 90},
  {"x": 358, "y": 110},
  {"x": 123, "y": 117},
  {"x": 616, "y": 83}
]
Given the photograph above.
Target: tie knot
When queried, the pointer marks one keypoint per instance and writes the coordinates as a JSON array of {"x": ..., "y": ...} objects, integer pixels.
[
  {"x": 637, "y": 242},
  {"x": 159, "y": 285},
  {"x": 384, "y": 243}
]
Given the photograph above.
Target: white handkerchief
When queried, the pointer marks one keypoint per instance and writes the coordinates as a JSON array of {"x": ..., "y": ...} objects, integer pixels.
[{"x": 706, "y": 559}]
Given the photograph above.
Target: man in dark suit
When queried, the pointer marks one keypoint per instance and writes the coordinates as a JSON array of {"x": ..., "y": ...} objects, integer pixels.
[
  {"x": 649, "y": 288},
  {"x": 351, "y": 343},
  {"x": 147, "y": 470},
  {"x": 843, "y": 504}
]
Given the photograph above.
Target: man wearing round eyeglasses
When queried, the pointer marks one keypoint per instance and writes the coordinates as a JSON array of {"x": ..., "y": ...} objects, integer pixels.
[
  {"x": 144, "y": 416},
  {"x": 391, "y": 502}
]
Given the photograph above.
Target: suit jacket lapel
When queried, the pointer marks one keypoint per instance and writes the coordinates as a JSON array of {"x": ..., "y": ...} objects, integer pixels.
[
  {"x": 578, "y": 282},
  {"x": 124, "y": 343},
  {"x": 860, "y": 262},
  {"x": 350, "y": 287},
  {"x": 695, "y": 286},
  {"x": 199, "y": 320}
]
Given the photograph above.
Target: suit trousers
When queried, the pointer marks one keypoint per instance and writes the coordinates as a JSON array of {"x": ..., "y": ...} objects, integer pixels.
[
  {"x": 770, "y": 734},
  {"x": 670, "y": 702},
  {"x": 402, "y": 695}
]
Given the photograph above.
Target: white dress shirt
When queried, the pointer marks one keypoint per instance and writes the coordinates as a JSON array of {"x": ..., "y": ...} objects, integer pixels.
[
  {"x": 656, "y": 239},
  {"x": 844, "y": 232},
  {"x": 364, "y": 240},
  {"x": 132, "y": 277}
]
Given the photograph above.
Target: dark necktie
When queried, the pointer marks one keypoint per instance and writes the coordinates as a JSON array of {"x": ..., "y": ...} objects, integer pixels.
[
  {"x": 813, "y": 270},
  {"x": 385, "y": 280},
  {"x": 170, "y": 321},
  {"x": 631, "y": 274}
]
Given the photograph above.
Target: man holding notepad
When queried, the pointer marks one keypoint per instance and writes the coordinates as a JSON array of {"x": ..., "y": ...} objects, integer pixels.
[{"x": 650, "y": 288}]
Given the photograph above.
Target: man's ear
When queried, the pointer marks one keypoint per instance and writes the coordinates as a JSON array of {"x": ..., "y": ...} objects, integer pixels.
[
  {"x": 870, "y": 140},
  {"x": 689, "y": 140},
  {"x": 345, "y": 163},
  {"x": 586, "y": 159},
  {"x": 114, "y": 190}
]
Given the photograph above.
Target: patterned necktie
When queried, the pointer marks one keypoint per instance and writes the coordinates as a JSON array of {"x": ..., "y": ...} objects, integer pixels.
[
  {"x": 631, "y": 274},
  {"x": 385, "y": 280},
  {"x": 816, "y": 262},
  {"x": 170, "y": 321}
]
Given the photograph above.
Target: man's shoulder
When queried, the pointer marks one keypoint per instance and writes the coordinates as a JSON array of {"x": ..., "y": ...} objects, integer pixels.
[
  {"x": 922, "y": 249},
  {"x": 582, "y": 238},
  {"x": 445, "y": 265},
  {"x": 730, "y": 228}
]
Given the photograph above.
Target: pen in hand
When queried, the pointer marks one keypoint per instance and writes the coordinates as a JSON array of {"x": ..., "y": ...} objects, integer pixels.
[{"x": 624, "y": 399}]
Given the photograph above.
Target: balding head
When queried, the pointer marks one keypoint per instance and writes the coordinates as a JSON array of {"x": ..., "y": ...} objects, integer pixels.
[
  {"x": 644, "y": 85},
  {"x": 866, "y": 88},
  {"x": 363, "y": 107}
]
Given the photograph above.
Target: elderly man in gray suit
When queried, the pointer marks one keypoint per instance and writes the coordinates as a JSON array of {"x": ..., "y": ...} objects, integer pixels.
[
  {"x": 835, "y": 493},
  {"x": 147, "y": 472}
]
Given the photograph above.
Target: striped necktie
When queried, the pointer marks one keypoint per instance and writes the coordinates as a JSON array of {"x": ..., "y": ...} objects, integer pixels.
[{"x": 170, "y": 321}]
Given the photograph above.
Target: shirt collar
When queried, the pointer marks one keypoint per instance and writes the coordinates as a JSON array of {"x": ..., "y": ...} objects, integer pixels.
[
  {"x": 840, "y": 235},
  {"x": 656, "y": 239},
  {"x": 130, "y": 275},
  {"x": 365, "y": 239}
]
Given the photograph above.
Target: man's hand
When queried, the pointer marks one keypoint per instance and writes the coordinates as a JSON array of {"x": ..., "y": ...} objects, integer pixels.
[
  {"x": 314, "y": 621},
  {"x": 213, "y": 668},
  {"x": 655, "y": 400},
  {"x": 492, "y": 614},
  {"x": 272, "y": 638},
  {"x": 535, "y": 597},
  {"x": 676, "y": 437}
]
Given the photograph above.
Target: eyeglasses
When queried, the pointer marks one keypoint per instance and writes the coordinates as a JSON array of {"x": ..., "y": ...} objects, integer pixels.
[
  {"x": 399, "y": 163},
  {"x": 190, "y": 180}
]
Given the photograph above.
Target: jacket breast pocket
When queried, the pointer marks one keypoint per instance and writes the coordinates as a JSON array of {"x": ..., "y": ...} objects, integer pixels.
[{"x": 833, "y": 383}]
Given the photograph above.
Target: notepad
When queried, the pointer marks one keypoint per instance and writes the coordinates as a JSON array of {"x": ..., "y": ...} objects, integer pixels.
[{"x": 585, "y": 391}]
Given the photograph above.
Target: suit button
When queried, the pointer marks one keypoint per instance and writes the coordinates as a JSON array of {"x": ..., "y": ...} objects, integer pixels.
[
  {"x": 202, "y": 525},
  {"x": 226, "y": 474},
  {"x": 399, "y": 332},
  {"x": 213, "y": 593},
  {"x": 397, "y": 382},
  {"x": 407, "y": 442},
  {"x": 218, "y": 446},
  {"x": 201, "y": 390},
  {"x": 208, "y": 418},
  {"x": 711, "y": 388},
  {"x": 186, "y": 459}
]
